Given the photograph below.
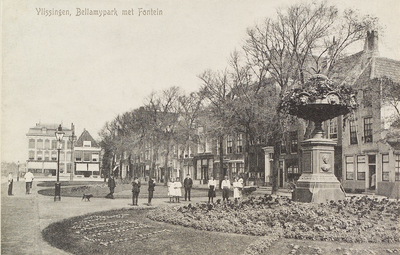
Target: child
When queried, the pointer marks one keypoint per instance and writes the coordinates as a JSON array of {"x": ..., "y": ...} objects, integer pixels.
[
  {"x": 178, "y": 191},
  {"x": 171, "y": 191}
]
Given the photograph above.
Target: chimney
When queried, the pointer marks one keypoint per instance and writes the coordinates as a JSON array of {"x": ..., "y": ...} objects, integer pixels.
[{"x": 371, "y": 43}]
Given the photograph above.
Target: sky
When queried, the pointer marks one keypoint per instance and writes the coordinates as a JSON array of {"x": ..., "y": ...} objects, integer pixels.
[{"x": 88, "y": 69}]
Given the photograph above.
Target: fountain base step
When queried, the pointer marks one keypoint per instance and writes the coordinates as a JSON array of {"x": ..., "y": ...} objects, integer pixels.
[{"x": 316, "y": 188}]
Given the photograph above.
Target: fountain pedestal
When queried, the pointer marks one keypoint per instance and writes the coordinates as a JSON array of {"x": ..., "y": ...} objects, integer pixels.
[
  {"x": 318, "y": 184},
  {"x": 318, "y": 101}
]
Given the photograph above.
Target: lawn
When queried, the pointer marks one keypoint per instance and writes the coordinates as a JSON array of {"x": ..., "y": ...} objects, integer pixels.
[{"x": 129, "y": 231}]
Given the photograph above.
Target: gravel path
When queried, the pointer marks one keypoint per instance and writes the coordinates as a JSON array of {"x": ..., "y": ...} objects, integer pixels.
[{"x": 25, "y": 216}]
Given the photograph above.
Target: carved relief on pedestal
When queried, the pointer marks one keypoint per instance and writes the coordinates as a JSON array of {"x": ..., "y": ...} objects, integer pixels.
[{"x": 325, "y": 166}]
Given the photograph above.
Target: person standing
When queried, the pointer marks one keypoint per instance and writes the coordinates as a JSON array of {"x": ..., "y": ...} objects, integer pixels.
[
  {"x": 152, "y": 184},
  {"x": 111, "y": 185},
  {"x": 171, "y": 190},
  {"x": 135, "y": 191},
  {"x": 237, "y": 189},
  {"x": 212, "y": 184},
  {"x": 225, "y": 185},
  {"x": 188, "y": 183},
  {"x": 10, "y": 184},
  {"x": 28, "y": 181},
  {"x": 177, "y": 190}
]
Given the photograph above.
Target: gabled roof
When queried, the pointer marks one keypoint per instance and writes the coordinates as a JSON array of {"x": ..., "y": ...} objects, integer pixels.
[
  {"x": 385, "y": 67},
  {"x": 85, "y": 136}
]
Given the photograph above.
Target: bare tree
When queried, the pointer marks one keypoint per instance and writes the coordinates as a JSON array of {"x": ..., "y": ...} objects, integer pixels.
[{"x": 303, "y": 40}]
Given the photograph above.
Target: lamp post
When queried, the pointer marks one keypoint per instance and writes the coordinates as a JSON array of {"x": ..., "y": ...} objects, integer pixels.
[
  {"x": 72, "y": 139},
  {"x": 18, "y": 172},
  {"x": 59, "y": 137}
]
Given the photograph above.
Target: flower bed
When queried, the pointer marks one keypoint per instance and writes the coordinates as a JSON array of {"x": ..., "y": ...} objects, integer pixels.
[{"x": 352, "y": 220}]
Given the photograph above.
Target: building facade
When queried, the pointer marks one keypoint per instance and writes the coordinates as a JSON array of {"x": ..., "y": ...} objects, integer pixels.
[
  {"x": 87, "y": 154},
  {"x": 42, "y": 150},
  {"x": 80, "y": 157}
]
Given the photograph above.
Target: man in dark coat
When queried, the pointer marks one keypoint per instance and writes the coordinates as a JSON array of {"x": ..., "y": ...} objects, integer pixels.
[
  {"x": 135, "y": 191},
  {"x": 152, "y": 184},
  {"x": 187, "y": 183},
  {"x": 111, "y": 185}
]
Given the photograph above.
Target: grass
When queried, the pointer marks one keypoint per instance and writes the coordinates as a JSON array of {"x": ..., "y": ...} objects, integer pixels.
[
  {"x": 171, "y": 240},
  {"x": 67, "y": 183}
]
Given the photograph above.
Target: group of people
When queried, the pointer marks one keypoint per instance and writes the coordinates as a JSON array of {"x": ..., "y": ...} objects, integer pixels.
[
  {"x": 175, "y": 186},
  {"x": 28, "y": 182},
  {"x": 226, "y": 187}
]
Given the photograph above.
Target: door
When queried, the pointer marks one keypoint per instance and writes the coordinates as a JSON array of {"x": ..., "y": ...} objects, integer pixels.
[{"x": 372, "y": 172}]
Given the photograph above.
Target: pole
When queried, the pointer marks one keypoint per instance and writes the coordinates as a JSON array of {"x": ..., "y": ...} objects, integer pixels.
[
  {"x": 18, "y": 173},
  {"x": 57, "y": 194}
]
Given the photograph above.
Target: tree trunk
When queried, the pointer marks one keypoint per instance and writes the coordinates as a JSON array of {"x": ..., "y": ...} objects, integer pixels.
[{"x": 221, "y": 159}]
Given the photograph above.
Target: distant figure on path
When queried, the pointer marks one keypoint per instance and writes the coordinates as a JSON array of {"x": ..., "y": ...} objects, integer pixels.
[
  {"x": 152, "y": 184},
  {"x": 225, "y": 185},
  {"x": 188, "y": 183},
  {"x": 135, "y": 191},
  {"x": 111, "y": 185},
  {"x": 171, "y": 190},
  {"x": 10, "y": 184},
  {"x": 28, "y": 181},
  {"x": 177, "y": 190},
  {"x": 212, "y": 184}
]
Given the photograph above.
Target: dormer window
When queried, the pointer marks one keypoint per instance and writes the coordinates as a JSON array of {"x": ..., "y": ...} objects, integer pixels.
[{"x": 87, "y": 144}]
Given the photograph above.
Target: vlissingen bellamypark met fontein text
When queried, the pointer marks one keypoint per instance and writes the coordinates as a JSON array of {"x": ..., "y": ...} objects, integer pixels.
[{"x": 79, "y": 12}]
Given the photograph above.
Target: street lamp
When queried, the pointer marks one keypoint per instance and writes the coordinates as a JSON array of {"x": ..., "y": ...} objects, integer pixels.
[
  {"x": 72, "y": 139},
  {"x": 59, "y": 137},
  {"x": 18, "y": 172}
]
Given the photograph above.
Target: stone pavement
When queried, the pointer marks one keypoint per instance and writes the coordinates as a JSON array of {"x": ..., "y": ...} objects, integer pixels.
[{"x": 25, "y": 216}]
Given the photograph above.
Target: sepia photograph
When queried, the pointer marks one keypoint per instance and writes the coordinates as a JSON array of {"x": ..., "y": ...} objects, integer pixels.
[{"x": 200, "y": 127}]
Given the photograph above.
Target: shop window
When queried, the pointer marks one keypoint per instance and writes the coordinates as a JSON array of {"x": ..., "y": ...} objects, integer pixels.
[
  {"x": 31, "y": 143},
  {"x": 95, "y": 156},
  {"x": 349, "y": 168},
  {"x": 353, "y": 132},
  {"x": 368, "y": 130},
  {"x": 54, "y": 155},
  {"x": 361, "y": 168},
  {"x": 283, "y": 146},
  {"x": 40, "y": 144},
  {"x": 39, "y": 155},
  {"x": 239, "y": 143},
  {"x": 385, "y": 167},
  {"x": 87, "y": 156},
  {"x": 367, "y": 98},
  {"x": 78, "y": 156},
  {"x": 54, "y": 144},
  {"x": 333, "y": 129},
  {"x": 229, "y": 144},
  {"x": 293, "y": 142},
  {"x": 397, "y": 167},
  {"x": 47, "y": 144}
]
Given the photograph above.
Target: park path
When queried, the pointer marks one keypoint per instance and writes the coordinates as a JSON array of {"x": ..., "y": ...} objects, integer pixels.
[{"x": 23, "y": 217}]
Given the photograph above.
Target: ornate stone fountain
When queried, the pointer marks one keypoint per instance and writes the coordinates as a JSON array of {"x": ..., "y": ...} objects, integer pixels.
[{"x": 318, "y": 101}]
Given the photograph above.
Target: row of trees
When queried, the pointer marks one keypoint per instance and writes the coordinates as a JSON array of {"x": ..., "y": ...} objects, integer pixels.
[{"x": 279, "y": 53}]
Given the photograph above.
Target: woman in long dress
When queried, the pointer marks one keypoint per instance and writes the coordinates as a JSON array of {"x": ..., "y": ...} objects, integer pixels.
[
  {"x": 177, "y": 190},
  {"x": 237, "y": 189},
  {"x": 171, "y": 190},
  {"x": 212, "y": 184}
]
